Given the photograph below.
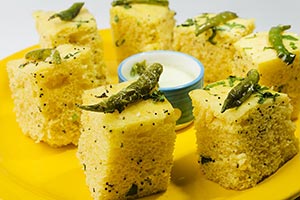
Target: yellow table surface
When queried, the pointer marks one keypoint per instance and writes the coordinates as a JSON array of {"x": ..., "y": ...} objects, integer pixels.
[{"x": 35, "y": 171}]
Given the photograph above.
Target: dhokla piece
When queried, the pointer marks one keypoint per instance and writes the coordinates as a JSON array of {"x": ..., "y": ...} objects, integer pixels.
[
  {"x": 141, "y": 27},
  {"x": 129, "y": 154},
  {"x": 82, "y": 30},
  {"x": 255, "y": 51},
  {"x": 214, "y": 47},
  {"x": 242, "y": 146},
  {"x": 45, "y": 93}
]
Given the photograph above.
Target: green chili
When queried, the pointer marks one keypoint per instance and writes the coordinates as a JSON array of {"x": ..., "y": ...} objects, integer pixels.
[
  {"x": 127, "y": 2},
  {"x": 140, "y": 89},
  {"x": 275, "y": 38},
  {"x": 242, "y": 91},
  {"x": 70, "y": 13},
  {"x": 43, "y": 54},
  {"x": 220, "y": 18}
]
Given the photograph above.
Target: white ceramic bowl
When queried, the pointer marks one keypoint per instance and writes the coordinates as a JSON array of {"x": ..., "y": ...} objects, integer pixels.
[{"x": 181, "y": 74}]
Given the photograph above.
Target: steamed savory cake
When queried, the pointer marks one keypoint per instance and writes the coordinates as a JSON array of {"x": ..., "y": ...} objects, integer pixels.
[
  {"x": 45, "y": 93},
  {"x": 255, "y": 51},
  {"x": 214, "y": 50},
  {"x": 82, "y": 30},
  {"x": 129, "y": 154},
  {"x": 242, "y": 146},
  {"x": 141, "y": 27}
]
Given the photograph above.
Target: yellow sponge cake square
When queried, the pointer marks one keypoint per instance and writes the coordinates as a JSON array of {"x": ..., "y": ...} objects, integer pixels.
[
  {"x": 255, "y": 51},
  {"x": 213, "y": 47},
  {"x": 141, "y": 27},
  {"x": 243, "y": 145},
  {"x": 46, "y": 91},
  {"x": 82, "y": 31},
  {"x": 129, "y": 154}
]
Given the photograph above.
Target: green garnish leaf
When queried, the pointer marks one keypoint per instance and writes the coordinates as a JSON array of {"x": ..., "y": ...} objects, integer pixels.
[
  {"x": 234, "y": 25},
  {"x": 157, "y": 96},
  {"x": 188, "y": 22},
  {"x": 211, "y": 85},
  {"x": 290, "y": 37},
  {"x": 263, "y": 96},
  {"x": 138, "y": 68}
]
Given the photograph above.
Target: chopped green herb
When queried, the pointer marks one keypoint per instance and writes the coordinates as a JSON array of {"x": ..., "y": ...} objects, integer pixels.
[
  {"x": 213, "y": 35},
  {"x": 138, "y": 68},
  {"x": 263, "y": 96},
  {"x": 211, "y": 85},
  {"x": 23, "y": 65},
  {"x": 132, "y": 191},
  {"x": 116, "y": 18},
  {"x": 293, "y": 45},
  {"x": 80, "y": 22},
  {"x": 234, "y": 25},
  {"x": 127, "y": 6},
  {"x": 266, "y": 48},
  {"x": 56, "y": 57},
  {"x": 280, "y": 88},
  {"x": 232, "y": 79},
  {"x": 251, "y": 36},
  {"x": 69, "y": 55},
  {"x": 188, "y": 22},
  {"x": 289, "y": 37},
  {"x": 120, "y": 42},
  {"x": 75, "y": 117},
  {"x": 205, "y": 159},
  {"x": 157, "y": 96}
]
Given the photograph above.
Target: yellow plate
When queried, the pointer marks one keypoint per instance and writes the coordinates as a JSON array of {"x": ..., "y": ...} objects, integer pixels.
[{"x": 36, "y": 171}]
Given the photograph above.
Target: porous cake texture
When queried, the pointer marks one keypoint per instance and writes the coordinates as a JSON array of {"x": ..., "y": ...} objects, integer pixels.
[
  {"x": 82, "y": 31},
  {"x": 255, "y": 51},
  {"x": 141, "y": 27},
  {"x": 45, "y": 94},
  {"x": 213, "y": 48},
  {"x": 242, "y": 146},
  {"x": 129, "y": 154}
]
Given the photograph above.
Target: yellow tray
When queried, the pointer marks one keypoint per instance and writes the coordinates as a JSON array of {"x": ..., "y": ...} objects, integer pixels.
[{"x": 31, "y": 171}]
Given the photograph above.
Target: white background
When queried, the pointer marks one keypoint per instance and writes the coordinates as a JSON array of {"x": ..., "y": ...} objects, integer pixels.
[{"x": 18, "y": 27}]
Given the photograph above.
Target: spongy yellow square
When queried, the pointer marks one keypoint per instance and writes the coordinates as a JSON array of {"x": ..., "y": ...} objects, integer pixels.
[
  {"x": 255, "y": 51},
  {"x": 242, "y": 146},
  {"x": 82, "y": 30},
  {"x": 129, "y": 154},
  {"x": 213, "y": 48},
  {"x": 141, "y": 27},
  {"x": 45, "y": 94}
]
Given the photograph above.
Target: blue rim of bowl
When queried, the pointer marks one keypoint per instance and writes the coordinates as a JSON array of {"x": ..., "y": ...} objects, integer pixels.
[{"x": 179, "y": 87}]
